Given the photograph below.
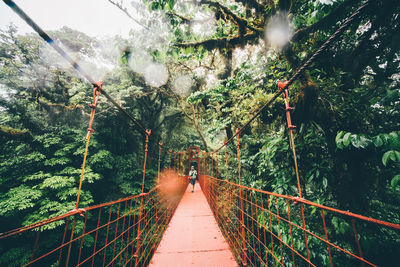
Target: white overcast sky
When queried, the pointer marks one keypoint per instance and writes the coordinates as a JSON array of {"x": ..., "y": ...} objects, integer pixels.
[{"x": 93, "y": 17}]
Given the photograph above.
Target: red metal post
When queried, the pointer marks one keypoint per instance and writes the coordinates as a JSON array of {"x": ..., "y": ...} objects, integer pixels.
[
  {"x": 95, "y": 239},
  {"x": 159, "y": 160},
  {"x": 357, "y": 240},
  {"x": 326, "y": 236},
  {"x": 291, "y": 234},
  {"x": 36, "y": 243},
  {"x": 63, "y": 240},
  {"x": 141, "y": 199},
  {"x": 174, "y": 160},
  {"x": 169, "y": 164},
  {"x": 108, "y": 228},
  {"x": 80, "y": 248},
  {"x": 179, "y": 162},
  {"x": 284, "y": 90},
  {"x": 241, "y": 201},
  {"x": 209, "y": 163},
  {"x": 213, "y": 165},
  {"x": 226, "y": 161},
  {"x": 216, "y": 164},
  {"x": 96, "y": 94},
  {"x": 189, "y": 159}
]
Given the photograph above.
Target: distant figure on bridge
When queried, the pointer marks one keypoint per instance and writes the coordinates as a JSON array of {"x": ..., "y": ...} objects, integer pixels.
[{"x": 193, "y": 177}]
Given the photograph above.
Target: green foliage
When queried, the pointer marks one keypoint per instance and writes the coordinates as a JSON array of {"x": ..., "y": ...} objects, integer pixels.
[
  {"x": 391, "y": 155},
  {"x": 162, "y": 4},
  {"x": 381, "y": 142},
  {"x": 362, "y": 141},
  {"x": 19, "y": 199},
  {"x": 395, "y": 181}
]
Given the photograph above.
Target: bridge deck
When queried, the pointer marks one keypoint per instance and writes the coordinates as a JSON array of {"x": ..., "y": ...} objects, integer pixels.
[{"x": 193, "y": 237}]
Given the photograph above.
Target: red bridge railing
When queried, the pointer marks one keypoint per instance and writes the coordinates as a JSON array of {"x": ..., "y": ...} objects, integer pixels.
[
  {"x": 266, "y": 229},
  {"x": 118, "y": 233}
]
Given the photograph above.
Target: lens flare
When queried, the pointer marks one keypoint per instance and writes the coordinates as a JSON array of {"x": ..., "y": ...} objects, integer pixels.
[
  {"x": 52, "y": 58},
  {"x": 171, "y": 186},
  {"x": 204, "y": 24},
  {"x": 156, "y": 75},
  {"x": 326, "y": 2},
  {"x": 183, "y": 85},
  {"x": 96, "y": 68},
  {"x": 278, "y": 31},
  {"x": 139, "y": 61},
  {"x": 110, "y": 51}
]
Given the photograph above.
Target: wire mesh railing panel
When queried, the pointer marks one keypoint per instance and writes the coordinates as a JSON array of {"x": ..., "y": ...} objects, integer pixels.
[
  {"x": 268, "y": 229},
  {"x": 124, "y": 232}
]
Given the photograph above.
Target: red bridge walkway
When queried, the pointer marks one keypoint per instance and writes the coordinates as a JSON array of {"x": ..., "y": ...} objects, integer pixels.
[{"x": 193, "y": 237}]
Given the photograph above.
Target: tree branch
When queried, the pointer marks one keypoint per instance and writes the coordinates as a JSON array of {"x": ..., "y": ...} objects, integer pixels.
[
  {"x": 196, "y": 126},
  {"x": 212, "y": 44},
  {"x": 123, "y": 9},
  {"x": 184, "y": 19},
  {"x": 241, "y": 22},
  {"x": 9, "y": 132},
  {"x": 254, "y": 4},
  {"x": 62, "y": 106}
]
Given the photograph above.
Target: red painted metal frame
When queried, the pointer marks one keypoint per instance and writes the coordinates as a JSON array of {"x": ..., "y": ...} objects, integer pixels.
[
  {"x": 269, "y": 216},
  {"x": 194, "y": 155}
]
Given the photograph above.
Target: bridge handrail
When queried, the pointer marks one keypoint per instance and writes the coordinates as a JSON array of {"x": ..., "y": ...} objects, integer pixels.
[
  {"x": 311, "y": 203},
  {"x": 69, "y": 214}
]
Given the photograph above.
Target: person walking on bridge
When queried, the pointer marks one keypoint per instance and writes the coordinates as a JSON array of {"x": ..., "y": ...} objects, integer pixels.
[{"x": 193, "y": 176}]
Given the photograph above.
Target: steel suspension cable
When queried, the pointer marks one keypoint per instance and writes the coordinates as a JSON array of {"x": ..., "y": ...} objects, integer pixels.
[
  {"x": 64, "y": 54},
  {"x": 342, "y": 27},
  {"x": 300, "y": 70}
]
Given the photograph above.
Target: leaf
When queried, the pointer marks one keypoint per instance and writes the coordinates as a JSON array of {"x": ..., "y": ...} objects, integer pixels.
[
  {"x": 395, "y": 181},
  {"x": 233, "y": 7},
  {"x": 313, "y": 210},
  {"x": 388, "y": 155},
  {"x": 393, "y": 136},
  {"x": 338, "y": 139},
  {"x": 347, "y": 139},
  {"x": 335, "y": 222},
  {"x": 393, "y": 155},
  {"x": 343, "y": 227},
  {"x": 171, "y": 4},
  {"x": 359, "y": 141},
  {"x": 57, "y": 182},
  {"x": 364, "y": 142},
  {"x": 154, "y": 6},
  {"x": 325, "y": 182},
  {"x": 339, "y": 136},
  {"x": 354, "y": 141},
  {"x": 397, "y": 154},
  {"x": 394, "y": 140},
  {"x": 377, "y": 141},
  {"x": 385, "y": 138}
]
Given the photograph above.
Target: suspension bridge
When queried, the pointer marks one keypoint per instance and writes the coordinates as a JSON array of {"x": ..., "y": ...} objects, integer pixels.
[{"x": 221, "y": 223}]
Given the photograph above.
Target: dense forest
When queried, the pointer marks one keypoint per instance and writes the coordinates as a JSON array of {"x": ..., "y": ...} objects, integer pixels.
[{"x": 194, "y": 73}]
